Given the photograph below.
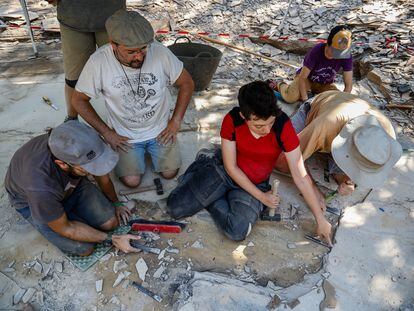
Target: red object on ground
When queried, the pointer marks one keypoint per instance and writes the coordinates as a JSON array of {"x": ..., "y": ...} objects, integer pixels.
[
  {"x": 156, "y": 228},
  {"x": 167, "y": 226}
]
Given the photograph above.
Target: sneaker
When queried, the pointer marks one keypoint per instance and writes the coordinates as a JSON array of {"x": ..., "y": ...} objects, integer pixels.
[
  {"x": 249, "y": 229},
  {"x": 206, "y": 153},
  {"x": 273, "y": 83},
  {"x": 69, "y": 118}
]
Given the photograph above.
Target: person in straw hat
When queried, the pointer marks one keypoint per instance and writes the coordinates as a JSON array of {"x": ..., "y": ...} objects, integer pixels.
[{"x": 359, "y": 138}]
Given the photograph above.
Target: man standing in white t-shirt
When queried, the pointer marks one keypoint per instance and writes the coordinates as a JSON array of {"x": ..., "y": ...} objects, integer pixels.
[{"x": 133, "y": 73}]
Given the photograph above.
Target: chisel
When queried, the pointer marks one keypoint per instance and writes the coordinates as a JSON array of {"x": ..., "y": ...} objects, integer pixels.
[
  {"x": 317, "y": 241},
  {"x": 145, "y": 248},
  {"x": 49, "y": 102},
  {"x": 146, "y": 291}
]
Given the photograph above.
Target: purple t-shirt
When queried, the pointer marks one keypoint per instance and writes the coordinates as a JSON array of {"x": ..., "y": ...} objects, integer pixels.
[{"x": 323, "y": 70}]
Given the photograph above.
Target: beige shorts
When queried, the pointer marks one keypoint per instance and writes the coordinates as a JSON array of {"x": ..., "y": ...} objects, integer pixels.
[
  {"x": 291, "y": 94},
  {"x": 77, "y": 47}
]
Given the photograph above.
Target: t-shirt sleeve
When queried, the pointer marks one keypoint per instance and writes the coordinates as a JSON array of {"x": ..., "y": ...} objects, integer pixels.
[
  {"x": 289, "y": 137},
  {"x": 172, "y": 65},
  {"x": 311, "y": 57},
  {"x": 227, "y": 128},
  {"x": 44, "y": 206},
  {"x": 347, "y": 64},
  {"x": 90, "y": 79}
]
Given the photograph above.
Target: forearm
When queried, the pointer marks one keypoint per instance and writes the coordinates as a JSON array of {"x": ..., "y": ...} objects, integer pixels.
[
  {"x": 183, "y": 99},
  {"x": 107, "y": 187},
  {"x": 307, "y": 188},
  {"x": 81, "y": 232},
  {"x": 240, "y": 178},
  {"x": 348, "y": 81},
  {"x": 348, "y": 88},
  {"x": 87, "y": 112},
  {"x": 303, "y": 89}
]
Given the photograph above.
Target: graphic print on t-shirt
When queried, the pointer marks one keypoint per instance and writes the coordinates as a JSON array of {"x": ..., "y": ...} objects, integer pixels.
[
  {"x": 135, "y": 99},
  {"x": 324, "y": 75}
]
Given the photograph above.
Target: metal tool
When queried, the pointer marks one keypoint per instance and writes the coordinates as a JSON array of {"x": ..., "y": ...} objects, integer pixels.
[
  {"x": 145, "y": 248},
  {"x": 146, "y": 291},
  {"x": 49, "y": 102},
  {"x": 137, "y": 190},
  {"x": 275, "y": 217},
  {"x": 317, "y": 241},
  {"x": 29, "y": 26},
  {"x": 276, "y": 183},
  {"x": 333, "y": 210},
  {"x": 158, "y": 186},
  {"x": 271, "y": 214}
]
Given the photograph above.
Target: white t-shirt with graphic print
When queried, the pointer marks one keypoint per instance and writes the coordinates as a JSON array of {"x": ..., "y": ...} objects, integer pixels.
[{"x": 145, "y": 115}]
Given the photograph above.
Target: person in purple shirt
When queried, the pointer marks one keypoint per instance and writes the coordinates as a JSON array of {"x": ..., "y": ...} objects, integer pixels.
[{"x": 320, "y": 67}]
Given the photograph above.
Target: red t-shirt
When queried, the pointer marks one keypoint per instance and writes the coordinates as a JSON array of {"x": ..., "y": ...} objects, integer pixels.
[{"x": 256, "y": 157}]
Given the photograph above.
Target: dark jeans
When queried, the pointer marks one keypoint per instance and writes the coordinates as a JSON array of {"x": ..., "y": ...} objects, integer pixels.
[
  {"x": 205, "y": 184},
  {"x": 86, "y": 204}
]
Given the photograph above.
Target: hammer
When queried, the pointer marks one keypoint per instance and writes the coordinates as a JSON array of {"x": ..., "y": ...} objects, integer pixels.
[{"x": 272, "y": 216}]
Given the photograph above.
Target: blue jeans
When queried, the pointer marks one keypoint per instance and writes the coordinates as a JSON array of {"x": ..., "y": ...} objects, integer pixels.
[
  {"x": 205, "y": 184},
  {"x": 86, "y": 204},
  {"x": 164, "y": 158}
]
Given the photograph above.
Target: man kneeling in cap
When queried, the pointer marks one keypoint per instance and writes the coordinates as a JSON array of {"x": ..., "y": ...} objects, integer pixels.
[
  {"x": 46, "y": 182},
  {"x": 133, "y": 74},
  {"x": 359, "y": 137}
]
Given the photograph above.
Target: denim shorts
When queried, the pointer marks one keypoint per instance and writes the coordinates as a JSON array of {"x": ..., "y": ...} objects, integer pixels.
[
  {"x": 164, "y": 158},
  {"x": 86, "y": 204}
]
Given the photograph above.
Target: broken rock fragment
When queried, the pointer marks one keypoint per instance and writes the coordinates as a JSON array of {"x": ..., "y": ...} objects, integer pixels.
[
  {"x": 59, "y": 266},
  {"x": 28, "y": 295},
  {"x": 291, "y": 245},
  {"x": 142, "y": 268},
  {"x": 105, "y": 257},
  {"x": 161, "y": 255},
  {"x": 115, "y": 300},
  {"x": 18, "y": 296},
  {"x": 159, "y": 272},
  {"x": 119, "y": 265},
  {"x": 121, "y": 277},
  {"x": 99, "y": 286},
  {"x": 172, "y": 250},
  {"x": 38, "y": 267},
  {"x": 197, "y": 244}
]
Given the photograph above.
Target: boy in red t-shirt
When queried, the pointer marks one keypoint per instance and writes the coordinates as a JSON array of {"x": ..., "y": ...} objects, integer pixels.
[{"x": 233, "y": 183}]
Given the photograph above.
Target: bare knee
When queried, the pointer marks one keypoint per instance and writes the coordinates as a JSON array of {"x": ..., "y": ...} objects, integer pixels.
[
  {"x": 110, "y": 224},
  {"x": 169, "y": 174},
  {"x": 131, "y": 181}
]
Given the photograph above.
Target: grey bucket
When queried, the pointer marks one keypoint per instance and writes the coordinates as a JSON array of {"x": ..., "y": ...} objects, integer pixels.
[{"x": 200, "y": 60}]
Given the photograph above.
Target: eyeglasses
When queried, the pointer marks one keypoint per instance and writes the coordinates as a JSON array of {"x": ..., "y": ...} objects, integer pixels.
[{"x": 141, "y": 50}]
